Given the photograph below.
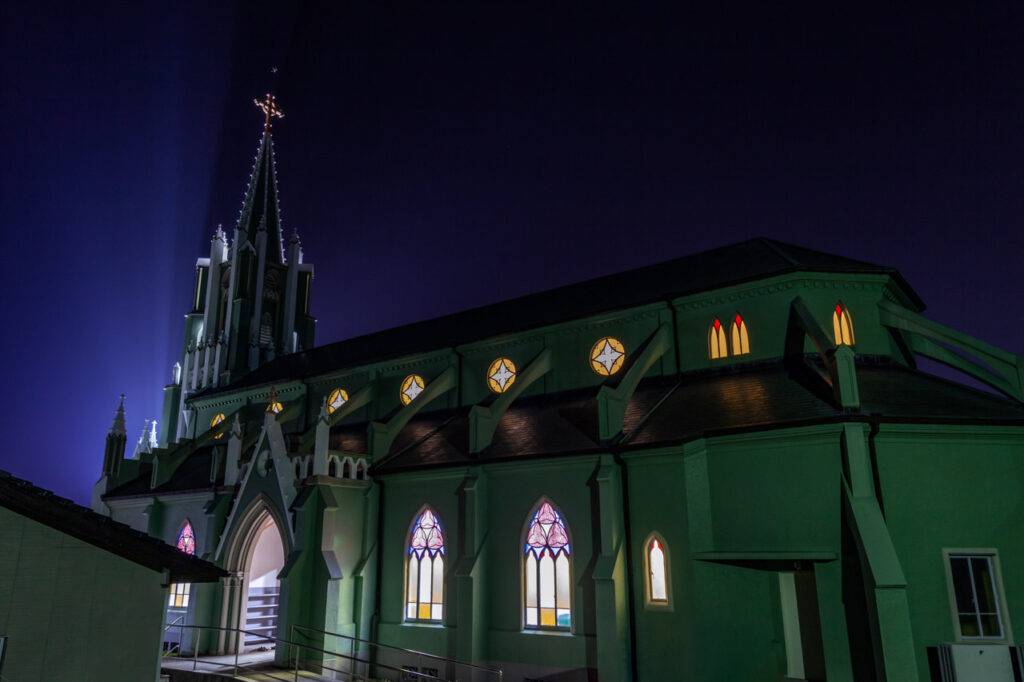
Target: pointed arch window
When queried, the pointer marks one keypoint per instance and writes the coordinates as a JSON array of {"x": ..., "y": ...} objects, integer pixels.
[
  {"x": 425, "y": 569},
  {"x": 547, "y": 571},
  {"x": 740, "y": 340},
  {"x": 186, "y": 539},
  {"x": 656, "y": 563},
  {"x": 842, "y": 325},
  {"x": 717, "y": 347}
]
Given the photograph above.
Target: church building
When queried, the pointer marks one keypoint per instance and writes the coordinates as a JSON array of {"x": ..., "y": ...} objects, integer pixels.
[{"x": 726, "y": 466}]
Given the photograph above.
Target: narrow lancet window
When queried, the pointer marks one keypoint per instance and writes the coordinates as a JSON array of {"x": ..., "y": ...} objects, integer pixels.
[
  {"x": 425, "y": 568},
  {"x": 546, "y": 572},
  {"x": 657, "y": 572},
  {"x": 187, "y": 539},
  {"x": 716, "y": 341},
  {"x": 740, "y": 340},
  {"x": 842, "y": 325}
]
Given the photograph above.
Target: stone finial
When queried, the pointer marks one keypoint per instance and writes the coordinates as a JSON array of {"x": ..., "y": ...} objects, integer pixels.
[
  {"x": 117, "y": 428},
  {"x": 142, "y": 446}
]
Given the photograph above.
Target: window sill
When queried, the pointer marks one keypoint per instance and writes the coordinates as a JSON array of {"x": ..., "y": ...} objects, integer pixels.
[
  {"x": 423, "y": 624},
  {"x": 554, "y": 633}
]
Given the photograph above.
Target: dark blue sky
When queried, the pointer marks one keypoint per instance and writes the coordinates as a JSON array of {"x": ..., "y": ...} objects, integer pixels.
[{"x": 436, "y": 157}]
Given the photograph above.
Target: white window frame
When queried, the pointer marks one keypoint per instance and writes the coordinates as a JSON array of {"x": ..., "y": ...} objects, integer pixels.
[
  {"x": 649, "y": 603},
  {"x": 992, "y": 554}
]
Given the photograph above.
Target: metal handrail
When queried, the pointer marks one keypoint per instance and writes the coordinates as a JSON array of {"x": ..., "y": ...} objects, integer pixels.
[
  {"x": 454, "y": 661},
  {"x": 168, "y": 626},
  {"x": 291, "y": 644}
]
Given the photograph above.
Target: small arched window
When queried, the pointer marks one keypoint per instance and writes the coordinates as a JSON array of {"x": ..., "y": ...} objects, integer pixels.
[
  {"x": 187, "y": 539},
  {"x": 425, "y": 568},
  {"x": 656, "y": 562},
  {"x": 547, "y": 572},
  {"x": 332, "y": 467},
  {"x": 716, "y": 341},
  {"x": 740, "y": 340},
  {"x": 842, "y": 325}
]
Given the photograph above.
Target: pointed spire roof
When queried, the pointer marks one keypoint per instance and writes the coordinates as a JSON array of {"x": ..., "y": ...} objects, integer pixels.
[
  {"x": 117, "y": 427},
  {"x": 260, "y": 210}
]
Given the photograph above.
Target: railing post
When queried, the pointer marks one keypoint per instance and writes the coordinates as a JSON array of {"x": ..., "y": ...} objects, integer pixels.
[
  {"x": 236, "y": 658},
  {"x": 296, "y": 657}
]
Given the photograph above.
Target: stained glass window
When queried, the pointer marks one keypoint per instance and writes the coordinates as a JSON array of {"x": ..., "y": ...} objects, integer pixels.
[
  {"x": 607, "y": 356},
  {"x": 740, "y": 341},
  {"x": 501, "y": 375},
  {"x": 336, "y": 399},
  {"x": 425, "y": 596},
  {"x": 657, "y": 572},
  {"x": 179, "y": 595},
  {"x": 412, "y": 386},
  {"x": 217, "y": 419},
  {"x": 842, "y": 325},
  {"x": 546, "y": 572},
  {"x": 187, "y": 539},
  {"x": 716, "y": 341}
]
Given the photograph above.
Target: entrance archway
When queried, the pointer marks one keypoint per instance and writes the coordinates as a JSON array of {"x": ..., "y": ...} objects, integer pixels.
[
  {"x": 262, "y": 589},
  {"x": 255, "y": 555}
]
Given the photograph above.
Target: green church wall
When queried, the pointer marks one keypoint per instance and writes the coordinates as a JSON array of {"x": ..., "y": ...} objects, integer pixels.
[{"x": 952, "y": 487}]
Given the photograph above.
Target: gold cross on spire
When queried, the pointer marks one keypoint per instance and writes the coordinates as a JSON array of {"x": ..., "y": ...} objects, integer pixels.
[{"x": 269, "y": 107}]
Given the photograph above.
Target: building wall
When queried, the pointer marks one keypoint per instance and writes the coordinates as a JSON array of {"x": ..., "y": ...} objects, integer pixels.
[
  {"x": 73, "y": 611},
  {"x": 953, "y": 488}
]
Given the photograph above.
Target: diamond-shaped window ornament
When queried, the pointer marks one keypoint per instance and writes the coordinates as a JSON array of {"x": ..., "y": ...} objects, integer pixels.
[
  {"x": 412, "y": 386},
  {"x": 501, "y": 375},
  {"x": 336, "y": 399},
  {"x": 607, "y": 356}
]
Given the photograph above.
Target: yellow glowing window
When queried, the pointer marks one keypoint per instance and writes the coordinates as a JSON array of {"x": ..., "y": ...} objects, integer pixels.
[
  {"x": 275, "y": 407},
  {"x": 217, "y": 420},
  {"x": 842, "y": 325},
  {"x": 607, "y": 356},
  {"x": 717, "y": 347},
  {"x": 412, "y": 386},
  {"x": 425, "y": 568},
  {"x": 501, "y": 375},
  {"x": 336, "y": 399},
  {"x": 740, "y": 341},
  {"x": 179, "y": 595}
]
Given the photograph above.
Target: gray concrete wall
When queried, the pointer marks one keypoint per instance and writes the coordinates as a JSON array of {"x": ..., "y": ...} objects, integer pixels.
[{"x": 74, "y": 612}]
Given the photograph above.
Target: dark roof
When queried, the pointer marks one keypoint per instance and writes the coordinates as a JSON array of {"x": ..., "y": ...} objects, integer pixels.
[
  {"x": 193, "y": 474},
  {"x": 667, "y": 410},
  {"x": 63, "y": 515},
  {"x": 725, "y": 266}
]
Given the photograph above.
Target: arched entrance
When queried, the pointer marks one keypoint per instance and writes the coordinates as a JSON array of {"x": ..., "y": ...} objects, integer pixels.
[
  {"x": 263, "y": 591},
  {"x": 255, "y": 556}
]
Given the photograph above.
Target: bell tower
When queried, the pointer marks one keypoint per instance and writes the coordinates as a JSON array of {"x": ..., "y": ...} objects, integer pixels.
[{"x": 251, "y": 299}]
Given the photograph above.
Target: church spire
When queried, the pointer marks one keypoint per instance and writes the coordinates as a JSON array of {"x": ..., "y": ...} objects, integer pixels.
[{"x": 260, "y": 210}]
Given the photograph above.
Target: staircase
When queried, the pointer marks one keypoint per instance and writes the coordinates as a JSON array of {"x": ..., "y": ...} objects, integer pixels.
[{"x": 261, "y": 615}]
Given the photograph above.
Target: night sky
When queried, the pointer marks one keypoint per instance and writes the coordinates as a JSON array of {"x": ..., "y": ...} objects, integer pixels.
[{"x": 435, "y": 157}]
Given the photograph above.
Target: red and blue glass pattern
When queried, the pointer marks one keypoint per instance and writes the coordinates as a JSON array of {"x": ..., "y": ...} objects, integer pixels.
[
  {"x": 546, "y": 572},
  {"x": 425, "y": 595},
  {"x": 186, "y": 539}
]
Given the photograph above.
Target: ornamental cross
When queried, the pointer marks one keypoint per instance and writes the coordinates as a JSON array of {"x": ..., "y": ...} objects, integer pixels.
[
  {"x": 272, "y": 398},
  {"x": 269, "y": 108}
]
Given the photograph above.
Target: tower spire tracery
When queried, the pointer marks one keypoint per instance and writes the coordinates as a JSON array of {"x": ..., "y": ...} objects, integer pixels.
[{"x": 251, "y": 301}]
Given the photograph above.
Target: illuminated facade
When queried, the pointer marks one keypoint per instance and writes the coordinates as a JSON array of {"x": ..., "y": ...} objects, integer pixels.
[{"x": 686, "y": 471}]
